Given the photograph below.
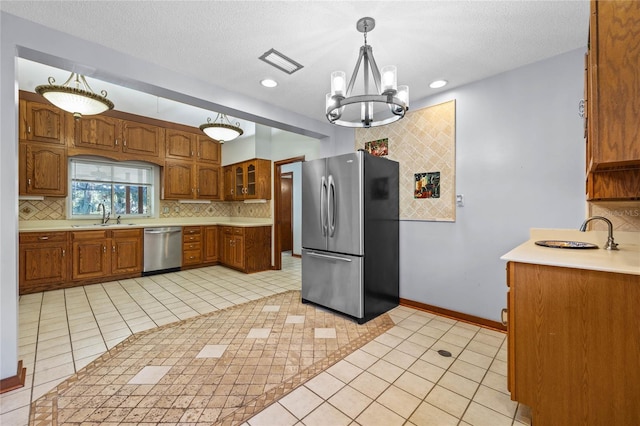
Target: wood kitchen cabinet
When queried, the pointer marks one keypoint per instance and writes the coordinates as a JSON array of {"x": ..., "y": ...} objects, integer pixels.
[
  {"x": 573, "y": 344},
  {"x": 118, "y": 139},
  {"x": 43, "y": 261},
  {"x": 191, "y": 245},
  {"x": 181, "y": 145},
  {"x": 102, "y": 254},
  {"x": 612, "y": 94},
  {"x": 248, "y": 180},
  {"x": 210, "y": 240},
  {"x": 43, "y": 122},
  {"x": 42, "y": 169},
  {"x": 247, "y": 249}
]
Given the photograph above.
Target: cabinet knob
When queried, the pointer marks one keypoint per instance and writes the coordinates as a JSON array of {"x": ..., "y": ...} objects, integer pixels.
[
  {"x": 28, "y": 129},
  {"x": 116, "y": 142},
  {"x": 43, "y": 238},
  {"x": 104, "y": 249},
  {"x": 113, "y": 249},
  {"x": 124, "y": 143},
  {"x": 504, "y": 317},
  {"x": 64, "y": 252},
  {"x": 29, "y": 182}
]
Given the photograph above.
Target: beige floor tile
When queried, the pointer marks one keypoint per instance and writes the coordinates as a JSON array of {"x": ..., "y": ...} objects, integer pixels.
[
  {"x": 482, "y": 348},
  {"x": 350, "y": 401},
  {"x": 399, "y": 401},
  {"x": 433, "y": 357},
  {"x": 17, "y": 417},
  {"x": 275, "y": 414},
  {"x": 458, "y": 384},
  {"x": 479, "y": 415},
  {"x": 294, "y": 319},
  {"x": 377, "y": 349},
  {"x": 426, "y": 371},
  {"x": 428, "y": 415},
  {"x": 326, "y": 414},
  {"x": 455, "y": 339},
  {"x": 499, "y": 367},
  {"x": 415, "y": 385},
  {"x": 344, "y": 370},
  {"x": 149, "y": 375},
  {"x": 259, "y": 333},
  {"x": 432, "y": 332},
  {"x": 496, "y": 381},
  {"x": 400, "y": 332},
  {"x": 475, "y": 358},
  {"x": 389, "y": 340},
  {"x": 324, "y": 333},
  {"x": 400, "y": 359},
  {"x": 495, "y": 400},
  {"x": 271, "y": 308},
  {"x": 412, "y": 348},
  {"x": 361, "y": 359},
  {"x": 324, "y": 385},
  {"x": 379, "y": 415},
  {"x": 490, "y": 337},
  {"x": 96, "y": 349},
  {"x": 369, "y": 384},
  {"x": 301, "y": 402},
  {"x": 441, "y": 324},
  {"x": 467, "y": 370},
  {"x": 447, "y": 400},
  {"x": 212, "y": 351},
  {"x": 385, "y": 370},
  {"x": 423, "y": 341}
]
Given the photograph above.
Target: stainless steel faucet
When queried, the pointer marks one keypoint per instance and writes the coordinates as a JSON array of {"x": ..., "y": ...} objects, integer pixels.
[
  {"x": 611, "y": 245},
  {"x": 105, "y": 216}
]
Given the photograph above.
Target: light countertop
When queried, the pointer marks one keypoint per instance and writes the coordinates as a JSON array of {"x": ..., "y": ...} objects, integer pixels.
[
  {"x": 626, "y": 260},
  {"x": 81, "y": 225}
]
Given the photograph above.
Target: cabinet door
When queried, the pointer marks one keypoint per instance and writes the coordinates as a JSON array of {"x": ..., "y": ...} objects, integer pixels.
[
  {"x": 43, "y": 261},
  {"x": 210, "y": 250},
  {"x": 237, "y": 252},
  {"x": 208, "y": 150},
  {"x": 263, "y": 179},
  {"x": 42, "y": 123},
  {"x": 179, "y": 145},
  {"x": 91, "y": 255},
  {"x": 239, "y": 176},
  {"x": 142, "y": 139},
  {"x": 208, "y": 182},
  {"x": 100, "y": 133},
  {"x": 229, "y": 183},
  {"x": 126, "y": 251},
  {"x": 43, "y": 170},
  {"x": 178, "y": 180}
]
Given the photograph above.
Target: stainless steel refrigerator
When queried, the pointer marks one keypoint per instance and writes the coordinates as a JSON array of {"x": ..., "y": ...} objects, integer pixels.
[{"x": 350, "y": 243}]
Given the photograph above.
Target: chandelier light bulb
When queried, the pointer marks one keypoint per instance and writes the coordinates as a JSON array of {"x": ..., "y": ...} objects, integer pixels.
[
  {"x": 338, "y": 83},
  {"x": 389, "y": 79}
]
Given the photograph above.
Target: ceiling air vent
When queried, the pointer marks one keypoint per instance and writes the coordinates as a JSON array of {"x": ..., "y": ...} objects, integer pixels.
[{"x": 280, "y": 61}]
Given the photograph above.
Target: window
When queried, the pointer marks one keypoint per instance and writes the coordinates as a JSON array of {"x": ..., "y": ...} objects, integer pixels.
[{"x": 126, "y": 189}]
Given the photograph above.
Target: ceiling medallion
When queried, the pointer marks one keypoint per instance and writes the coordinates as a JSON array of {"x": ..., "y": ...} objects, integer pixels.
[
  {"x": 221, "y": 129},
  {"x": 79, "y": 100},
  {"x": 388, "y": 103}
]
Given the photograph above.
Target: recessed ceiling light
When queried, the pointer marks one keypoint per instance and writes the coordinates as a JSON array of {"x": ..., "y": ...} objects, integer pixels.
[
  {"x": 438, "y": 84},
  {"x": 267, "y": 82}
]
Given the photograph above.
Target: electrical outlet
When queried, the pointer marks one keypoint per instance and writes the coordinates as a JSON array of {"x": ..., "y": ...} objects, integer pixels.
[
  {"x": 165, "y": 210},
  {"x": 196, "y": 209},
  {"x": 176, "y": 209}
]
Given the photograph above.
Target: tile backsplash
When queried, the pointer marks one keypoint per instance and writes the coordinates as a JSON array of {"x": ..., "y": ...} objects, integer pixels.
[
  {"x": 624, "y": 215},
  {"x": 55, "y": 209}
]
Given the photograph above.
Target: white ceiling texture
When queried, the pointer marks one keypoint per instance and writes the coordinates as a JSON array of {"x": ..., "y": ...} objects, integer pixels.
[{"x": 219, "y": 42}]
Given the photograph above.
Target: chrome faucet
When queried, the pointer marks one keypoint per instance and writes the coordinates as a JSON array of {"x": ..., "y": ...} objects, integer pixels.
[
  {"x": 611, "y": 245},
  {"x": 105, "y": 215}
]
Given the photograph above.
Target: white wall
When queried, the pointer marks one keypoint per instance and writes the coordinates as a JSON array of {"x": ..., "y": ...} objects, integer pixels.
[
  {"x": 296, "y": 169},
  {"x": 520, "y": 157}
]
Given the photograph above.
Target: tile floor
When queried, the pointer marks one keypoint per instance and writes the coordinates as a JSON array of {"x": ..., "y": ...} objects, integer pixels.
[{"x": 398, "y": 378}]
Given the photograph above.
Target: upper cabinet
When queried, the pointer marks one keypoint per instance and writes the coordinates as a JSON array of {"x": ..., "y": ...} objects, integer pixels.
[
  {"x": 180, "y": 145},
  {"x": 248, "y": 180},
  {"x": 613, "y": 101},
  {"x": 41, "y": 122},
  {"x": 118, "y": 139}
]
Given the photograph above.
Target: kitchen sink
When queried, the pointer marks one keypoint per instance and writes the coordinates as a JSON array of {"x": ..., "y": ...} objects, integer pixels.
[{"x": 566, "y": 244}]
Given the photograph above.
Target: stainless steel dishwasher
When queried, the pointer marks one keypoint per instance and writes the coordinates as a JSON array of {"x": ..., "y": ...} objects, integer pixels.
[{"x": 162, "y": 249}]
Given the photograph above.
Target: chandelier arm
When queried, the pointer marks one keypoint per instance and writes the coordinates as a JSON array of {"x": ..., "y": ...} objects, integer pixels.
[
  {"x": 374, "y": 68},
  {"x": 66, "y": 83},
  {"x": 86, "y": 85},
  {"x": 352, "y": 81}
]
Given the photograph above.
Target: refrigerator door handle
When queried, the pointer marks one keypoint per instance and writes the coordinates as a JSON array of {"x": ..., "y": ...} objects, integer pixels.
[
  {"x": 323, "y": 219},
  {"x": 326, "y": 256},
  {"x": 331, "y": 206}
]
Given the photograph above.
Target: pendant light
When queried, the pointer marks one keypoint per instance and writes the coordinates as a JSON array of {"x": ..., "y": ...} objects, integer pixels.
[
  {"x": 221, "y": 129},
  {"x": 79, "y": 100},
  {"x": 386, "y": 104}
]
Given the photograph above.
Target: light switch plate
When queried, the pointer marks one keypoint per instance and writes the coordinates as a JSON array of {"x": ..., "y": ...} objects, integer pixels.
[{"x": 460, "y": 200}]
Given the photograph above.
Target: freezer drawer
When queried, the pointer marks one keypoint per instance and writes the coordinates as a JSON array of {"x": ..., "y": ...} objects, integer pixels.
[{"x": 334, "y": 281}]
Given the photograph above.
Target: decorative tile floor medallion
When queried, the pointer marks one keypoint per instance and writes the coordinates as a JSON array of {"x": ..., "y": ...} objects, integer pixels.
[{"x": 219, "y": 368}]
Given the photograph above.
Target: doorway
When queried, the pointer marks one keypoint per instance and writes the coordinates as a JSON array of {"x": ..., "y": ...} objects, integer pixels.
[{"x": 282, "y": 226}]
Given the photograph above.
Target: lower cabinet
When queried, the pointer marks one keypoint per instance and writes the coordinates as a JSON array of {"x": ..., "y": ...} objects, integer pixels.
[
  {"x": 99, "y": 255},
  {"x": 191, "y": 245},
  {"x": 573, "y": 344},
  {"x": 247, "y": 249},
  {"x": 43, "y": 261},
  {"x": 210, "y": 241}
]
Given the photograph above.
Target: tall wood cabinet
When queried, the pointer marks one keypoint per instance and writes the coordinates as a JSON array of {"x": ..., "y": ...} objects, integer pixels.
[
  {"x": 613, "y": 101},
  {"x": 42, "y": 165},
  {"x": 192, "y": 167},
  {"x": 248, "y": 180},
  {"x": 247, "y": 249},
  {"x": 574, "y": 344}
]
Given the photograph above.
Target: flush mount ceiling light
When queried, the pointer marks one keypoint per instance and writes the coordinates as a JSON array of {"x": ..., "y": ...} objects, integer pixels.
[
  {"x": 221, "y": 129},
  {"x": 280, "y": 61},
  {"x": 267, "y": 82},
  {"x": 388, "y": 103},
  {"x": 438, "y": 84},
  {"x": 79, "y": 100}
]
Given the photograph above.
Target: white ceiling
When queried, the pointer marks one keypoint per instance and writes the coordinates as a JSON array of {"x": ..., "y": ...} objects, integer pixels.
[{"x": 219, "y": 42}]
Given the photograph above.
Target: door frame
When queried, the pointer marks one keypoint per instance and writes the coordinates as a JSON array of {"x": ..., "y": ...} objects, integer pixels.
[{"x": 277, "y": 244}]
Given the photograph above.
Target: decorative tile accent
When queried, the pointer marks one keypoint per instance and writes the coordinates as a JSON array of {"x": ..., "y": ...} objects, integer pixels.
[
  {"x": 47, "y": 209},
  {"x": 423, "y": 141},
  {"x": 259, "y": 333},
  {"x": 212, "y": 351},
  {"x": 271, "y": 308},
  {"x": 294, "y": 319},
  {"x": 325, "y": 333},
  {"x": 249, "y": 376},
  {"x": 149, "y": 375}
]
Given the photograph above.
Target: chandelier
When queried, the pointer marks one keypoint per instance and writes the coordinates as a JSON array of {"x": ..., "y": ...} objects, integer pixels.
[
  {"x": 221, "y": 129},
  {"x": 79, "y": 100},
  {"x": 388, "y": 103}
]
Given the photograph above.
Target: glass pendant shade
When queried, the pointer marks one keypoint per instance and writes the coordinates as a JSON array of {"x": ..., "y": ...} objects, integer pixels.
[
  {"x": 221, "y": 129},
  {"x": 389, "y": 79},
  {"x": 338, "y": 83},
  {"x": 79, "y": 100}
]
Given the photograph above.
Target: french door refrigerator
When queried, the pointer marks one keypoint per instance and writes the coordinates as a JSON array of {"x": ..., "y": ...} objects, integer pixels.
[{"x": 350, "y": 243}]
